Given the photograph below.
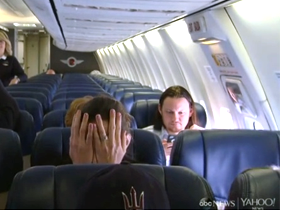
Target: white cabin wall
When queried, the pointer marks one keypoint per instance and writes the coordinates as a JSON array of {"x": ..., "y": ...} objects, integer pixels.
[
  {"x": 98, "y": 56},
  {"x": 166, "y": 66},
  {"x": 260, "y": 35},
  {"x": 153, "y": 64},
  {"x": 172, "y": 58},
  {"x": 21, "y": 44},
  {"x": 102, "y": 59},
  {"x": 133, "y": 56},
  {"x": 109, "y": 64},
  {"x": 191, "y": 60},
  {"x": 205, "y": 88},
  {"x": 166, "y": 60},
  {"x": 126, "y": 61},
  {"x": 44, "y": 52},
  {"x": 32, "y": 55},
  {"x": 121, "y": 66},
  {"x": 244, "y": 53},
  {"x": 131, "y": 66},
  {"x": 146, "y": 77},
  {"x": 114, "y": 62},
  {"x": 148, "y": 60}
]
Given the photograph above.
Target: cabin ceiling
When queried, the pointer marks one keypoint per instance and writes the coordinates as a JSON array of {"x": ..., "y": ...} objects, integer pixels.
[{"x": 87, "y": 25}]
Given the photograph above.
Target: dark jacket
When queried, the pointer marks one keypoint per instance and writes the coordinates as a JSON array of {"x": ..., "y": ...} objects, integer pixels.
[
  {"x": 9, "y": 68},
  {"x": 9, "y": 110}
]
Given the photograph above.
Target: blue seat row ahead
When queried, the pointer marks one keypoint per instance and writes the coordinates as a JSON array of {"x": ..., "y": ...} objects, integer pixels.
[
  {"x": 51, "y": 187},
  {"x": 217, "y": 155}
]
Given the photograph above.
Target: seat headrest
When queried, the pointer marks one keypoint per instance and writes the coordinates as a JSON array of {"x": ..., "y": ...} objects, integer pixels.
[
  {"x": 118, "y": 94},
  {"x": 11, "y": 161},
  {"x": 49, "y": 187},
  {"x": 43, "y": 90},
  {"x": 29, "y": 94},
  {"x": 129, "y": 98},
  {"x": 61, "y": 104},
  {"x": 26, "y": 131},
  {"x": 34, "y": 107},
  {"x": 68, "y": 94},
  {"x": 147, "y": 147},
  {"x": 115, "y": 86},
  {"x": 201, "y": 115},
  {"x": 125, "y": 181},
  {"x": 133, "y": 123},
  {"x": 74, "y": 89},
  {"x": 220, "y": 155},
  {"x": 54, "y": 118},
  {"x": 256, "y": 188},
  {"x": 51, "y": 147},
  {"x": 144, "y": 112}
]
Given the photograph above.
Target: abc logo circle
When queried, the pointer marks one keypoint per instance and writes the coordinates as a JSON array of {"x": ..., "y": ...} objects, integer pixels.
[{"x": 206, "y": 203}]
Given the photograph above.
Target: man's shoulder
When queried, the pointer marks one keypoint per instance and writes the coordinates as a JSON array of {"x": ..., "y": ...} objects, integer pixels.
[{"x": 149, "y": 128}]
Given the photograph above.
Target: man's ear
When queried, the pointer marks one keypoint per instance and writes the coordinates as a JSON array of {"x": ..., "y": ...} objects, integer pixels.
[
  {"x": 159, "y": 109},
  {"x": 190, "y": 111},
  {"x": 128, "y": 139}
]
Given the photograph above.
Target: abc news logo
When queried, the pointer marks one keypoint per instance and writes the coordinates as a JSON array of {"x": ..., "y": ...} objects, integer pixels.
[
  {"x": 206, "y": 203},
  {"x": 254, "y": 204}
]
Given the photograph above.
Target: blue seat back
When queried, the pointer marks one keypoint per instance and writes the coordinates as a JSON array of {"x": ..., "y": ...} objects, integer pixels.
[
  {"x": 43, "y": 90},
  {"x": 11, "y": 161},
  {"x": 79, "y": 89},
  {"x": 221, "y": 155},
  {"x": 61, "y": 104},
  {"x": 114, "y": 87},
  {"x": 120, "y": 92},
  {"x": 79, "y": 94},
  {"x": 26, "y": 131},
  {"x": 51, "y": 187},
  {"x": 256, "y": 184},
  {"x": 144, "y": 112},
  {"x": 34, "y": 107},
  {"x": 129, "y": 98},
  {"x": 38, "y": 96},
  {"x": 48, "y": 86},
  {"x": 55, "y": 118},
  {"x": 51, "y": 147},
  {"x": 112, "y": 84}
]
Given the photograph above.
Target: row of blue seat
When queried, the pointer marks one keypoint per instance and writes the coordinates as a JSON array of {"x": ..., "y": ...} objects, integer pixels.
[
  {"x": 217, "y": 155},
  {"x": 143, "y": 113},
  {"x": 204, "y": 152},
  {"x": 34, "y": 99},
  {"x": 41, "y": 94},
  {"x": 58, "y": 188}
]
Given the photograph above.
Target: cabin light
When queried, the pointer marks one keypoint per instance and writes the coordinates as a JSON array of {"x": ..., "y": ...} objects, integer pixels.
[
  {"x": 210, "y": 42},
  {"x": 4, "y": 28},
  {"x": 207, "y": 41},
  {"x": 24, "y": 25}
]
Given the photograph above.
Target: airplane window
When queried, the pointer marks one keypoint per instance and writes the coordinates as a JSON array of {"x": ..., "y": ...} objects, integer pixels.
[{"x": 240, "y": 98}]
